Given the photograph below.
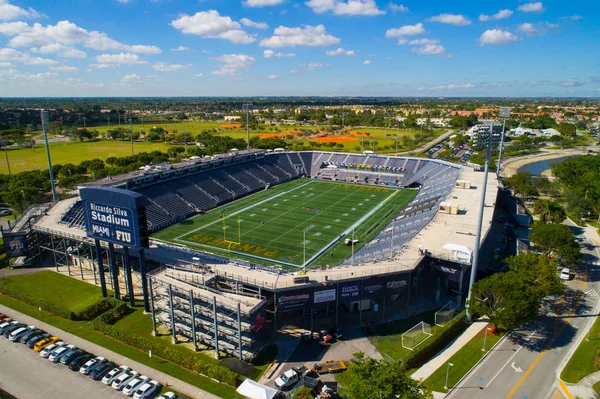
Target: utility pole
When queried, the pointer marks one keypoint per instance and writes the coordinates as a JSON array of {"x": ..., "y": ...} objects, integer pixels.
[
  {"x": 504, "y": 114},
  {"x": 131, "y": 133},
  {"x": 247, "y": 108},
  {"x": 6, "y": 153},
  {"x": 45, "y": 120}
]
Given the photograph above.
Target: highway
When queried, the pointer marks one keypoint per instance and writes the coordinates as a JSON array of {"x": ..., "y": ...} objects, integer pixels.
[{"x": 524, "y": 364}]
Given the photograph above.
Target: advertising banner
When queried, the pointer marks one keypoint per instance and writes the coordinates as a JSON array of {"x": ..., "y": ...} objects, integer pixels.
[
  {"x": 385, "y": 285},
  {"x": 453, "y": 274},
  {"x": 294, "y": 300},
  {"x": 350, "y": 291},
  {"x": 325, "y": 296},
  {"x": 115, "y": 215},
  {"x": 15, "y": 244}
]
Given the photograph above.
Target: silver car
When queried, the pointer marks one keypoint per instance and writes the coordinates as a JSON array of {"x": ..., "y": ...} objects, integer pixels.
[
  {"x": 123, "y": 379},
  {"x": 113, "y": 374}
]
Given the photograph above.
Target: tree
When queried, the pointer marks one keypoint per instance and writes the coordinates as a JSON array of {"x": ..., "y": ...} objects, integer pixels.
[
  {"x": 515, "y": 297},
  {"x": 567, "y": 129},
  {"x": 376, "y": 379},
  {"x": 549, "y": 211},
  {"x": 556, "y": 241},
  {"x": 521, "y": 184}
]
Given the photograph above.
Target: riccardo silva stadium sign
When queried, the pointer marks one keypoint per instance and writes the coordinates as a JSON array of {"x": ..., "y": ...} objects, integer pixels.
[{"x": 116, "y": 216}]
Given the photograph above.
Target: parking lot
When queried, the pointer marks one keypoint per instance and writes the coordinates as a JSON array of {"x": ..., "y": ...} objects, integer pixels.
[{"x": 26, "y": 375}]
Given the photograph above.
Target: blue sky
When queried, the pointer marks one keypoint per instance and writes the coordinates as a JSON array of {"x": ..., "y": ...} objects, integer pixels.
[{"x": 290, "y": 47}]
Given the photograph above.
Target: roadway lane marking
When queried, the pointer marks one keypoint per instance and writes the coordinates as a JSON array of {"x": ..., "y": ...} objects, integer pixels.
[
  {"x": 565, "y": 390},
  {"x": 541, "y": 355},
  {"x": 509, "y": 360}
]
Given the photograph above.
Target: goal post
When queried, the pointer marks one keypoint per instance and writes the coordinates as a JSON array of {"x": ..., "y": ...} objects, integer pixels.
[
  {"x": 445, "y": 314},
  {"x": 231, "y": 242},
  {"x": 416, "y": 336}
]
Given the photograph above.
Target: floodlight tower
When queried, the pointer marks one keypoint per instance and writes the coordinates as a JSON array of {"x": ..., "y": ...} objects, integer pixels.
[
  {"x": 247, "y": 108},
  {"x": 504, "y": 114},
  {"x": 45, "y": 120},
  {"x": 475, "y": 257}
]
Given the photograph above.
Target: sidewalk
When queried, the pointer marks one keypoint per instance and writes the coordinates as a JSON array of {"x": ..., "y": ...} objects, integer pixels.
[
  {"x": 431, "y": 366},
  {"x": 165, "y": 379},
  {"x": 583, "y": 389}
]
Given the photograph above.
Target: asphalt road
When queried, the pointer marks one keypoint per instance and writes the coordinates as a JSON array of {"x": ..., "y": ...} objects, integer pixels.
[
  {"x": 524, "y": 364},
  {"x": 24, "y": 374}
]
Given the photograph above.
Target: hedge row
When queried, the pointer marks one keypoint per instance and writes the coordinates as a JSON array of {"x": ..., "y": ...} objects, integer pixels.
[
  {"x": 88, "y": 313},
  {"x": 431, "y": 347},
  {"x": 189, "y": 362},
  {"x": 113, "y": 314}
]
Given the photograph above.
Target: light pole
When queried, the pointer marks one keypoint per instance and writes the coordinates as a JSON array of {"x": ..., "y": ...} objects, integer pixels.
[
  {"x": 131, "y": 133},
  {"x": 484, "y": 338},
  {"x": 84, "y": 126},
  {"x": 6, "y": 154},
  {"x": 304, "y": 245},
  {"x": 352, "y": 247},
  {"x": 45, "y": 120},
  {"x": 504, "y": 114},
  {"x": 247, "y": 108},
  {"x": 475, "y": 257},
  {"x": 447, "y": 373}
]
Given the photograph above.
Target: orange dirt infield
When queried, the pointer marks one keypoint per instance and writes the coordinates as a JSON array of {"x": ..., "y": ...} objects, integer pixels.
[
  {"x": 335, "y": 139},
  {"x": 271, "y": 135},
  {"x": 230, "y": 125}
]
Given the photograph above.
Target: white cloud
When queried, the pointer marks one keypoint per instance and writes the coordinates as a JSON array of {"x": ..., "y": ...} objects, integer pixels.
[
  {"x": 211, "y": 24},
  {"x": 64, "y": 68},
  {"x": 134, "y": 78},
  {"x": 367, "y": 62},
  {"x": 262, "y": 3},
  {"x": 397, "y": 7},
  {"x": 271, "y": 54},
  {"x": 118, "y": 59},
  {"x": 502, "y": 14},
  {"x": 340, "y": 51},
  {"x": 573, "y": 17},
  {"x": 497, "y": 36},
  {"x": 15, "y": 75},
  {"x": 66, "y": 33},
  {"x": 272, "y": 77},
  {"x": 231, "y": 64},
  {"x": 164, "y": 67},
  {"x": 313, "y": 65},
  {"x": 10, "y": 11},
  {"x": 528, "y": 29},
  {"x": 5, "y": 65},
  {"x": 572, "y": 82},
  {"x": 124, "y": 1},
  {"x": 307, "y": 35},
  {"x": 10, "y": 54},
  {"x": 417, "y": 42},
  {"x": 349, "y": 7},
  {"x": 449, "y": 87},
  {"x": 60, "y": 50},
  {"x": 252, "y": 24},
  {"x": 181, "y": 48},
  {"x": 430, "y": 49},
  {"x": 532, "y": 7},
  {"x": 406, "y": 30},
  {"x": 452, "y": 19}
]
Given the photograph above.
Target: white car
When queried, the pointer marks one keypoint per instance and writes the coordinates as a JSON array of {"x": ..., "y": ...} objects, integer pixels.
[
  {"x": 57, "y": 354},
  {"x": 565, "y": 274},
  {"x": 91, "y": 364},
  {"x": 47, "y": 351},
  {"x": 114, "y": 373},
  {"x": 134, "y": 384},
  {"x": 168, "y": 395},
  {"x": 19, "y": 332},
  {"x": 287, "y": 379},
  {"x": 147, "y": 390},
  {"x": 123, "y": 379}
]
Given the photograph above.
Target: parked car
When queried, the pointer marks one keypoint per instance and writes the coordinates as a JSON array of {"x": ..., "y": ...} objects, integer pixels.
[
  {"x": 30, "y": 334},
  {"x": 335, "y": 333},
  {"x": 79, "y": 361},
  {"x": 32, "y": 341},
  {"x": 102, "y": 370},
  {"x": 91, "y": 364},
  {"x": 123, "y": 379},
  {"x": 134, "y": 384},
  {"x": 12, "y": 326},
  {"x": 6, "y": 212},
  {"x": 114, "y": 373},
  {"x": 168, "y": 395},
  {"x": 147, "y": 390},
  {"x": 72, "y": 354},
  {"x": 16, "y": 335},
  {"x": 60, "y": 352},
  {"x": 47, "y": 351},
  {"x": 565, "y": 273},
  {"x": 45, "y": 342},
  {"x": 287, "y": 379}
]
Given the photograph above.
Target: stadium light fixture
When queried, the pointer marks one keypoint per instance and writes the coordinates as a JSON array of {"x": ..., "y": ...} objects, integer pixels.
[
  {"x": 475, "y": 257},
  {"x": 247, "y": 108},
  {"x": 45, "y": 121},
  {"x": 504, "y": 114}
]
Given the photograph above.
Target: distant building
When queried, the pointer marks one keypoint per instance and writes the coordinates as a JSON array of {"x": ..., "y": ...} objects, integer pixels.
[
  {"x": 521, "y": 131},
  {"x": 480, "y": 134},
  {"x": 232, "y": 118},
  {"x": 550, "y": 132}
]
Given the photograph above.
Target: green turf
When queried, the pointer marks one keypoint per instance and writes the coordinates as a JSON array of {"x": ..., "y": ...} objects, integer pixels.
[
  {"x": 463, "y": 361},
  {"x": 64, "y": 291},
  {"x": 586, "y": 359},
  {"x": 270, "y": 226}
]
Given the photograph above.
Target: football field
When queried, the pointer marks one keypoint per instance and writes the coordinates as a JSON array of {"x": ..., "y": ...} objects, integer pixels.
[{"x": 299, "y": 223}]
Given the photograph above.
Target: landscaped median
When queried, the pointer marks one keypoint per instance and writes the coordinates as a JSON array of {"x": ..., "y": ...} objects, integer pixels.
[
  {"x": 585, "y": 359},
  {"x": 462, "y": 361}
]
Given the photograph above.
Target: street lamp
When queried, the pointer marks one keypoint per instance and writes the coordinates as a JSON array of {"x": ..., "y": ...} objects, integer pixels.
[
  {"x": 247, "y": 108},
  {"x": 448, "y": 372},
  {"x": 131, "y": 133},
  {"x": 45, "y": 120},
  {"x": 504, "y": 114},
  {"x": 484, "y": 338}
]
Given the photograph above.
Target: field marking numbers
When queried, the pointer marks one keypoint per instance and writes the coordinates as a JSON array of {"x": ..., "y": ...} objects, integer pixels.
[
  {"x": 345, "y": 214},
  {"x": 252, "y": 215},
  {"x": 327, "y": 227},
  {"x": 265, "y": 209},
  {"x": 353, "y": 209},
  {"x": 317, "y": 234},
  {"x": 275, "y": 204},
  {"x": 336, "y": 221},
  {"x": 360, "y": 204},
  {"x": 286, "y": 199}
]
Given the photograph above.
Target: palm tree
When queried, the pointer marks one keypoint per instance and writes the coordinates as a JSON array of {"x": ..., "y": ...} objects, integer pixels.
[{"x": 549, "y": 211}]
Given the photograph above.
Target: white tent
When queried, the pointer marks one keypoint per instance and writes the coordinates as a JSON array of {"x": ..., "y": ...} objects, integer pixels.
[
  {"x": 253, "y": 390},
  {"x": 459, "y": 251}
]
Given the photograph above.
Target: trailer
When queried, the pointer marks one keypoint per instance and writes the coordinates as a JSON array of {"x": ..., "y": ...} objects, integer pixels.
[{"x": 330, "y": 366}]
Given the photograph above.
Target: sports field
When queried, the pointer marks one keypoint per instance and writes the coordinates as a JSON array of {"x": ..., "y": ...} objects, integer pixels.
[{"x": 271, "y": 226}]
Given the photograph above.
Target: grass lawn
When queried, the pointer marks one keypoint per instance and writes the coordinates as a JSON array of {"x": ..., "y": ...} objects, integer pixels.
[
  {"x": 3, "y": 257},
  {"x": 463, "y": 361},
  {"x": 64, "y": 291},
  {"x": 270, "y": 225},
  {"x": 596, "y": 387},
  {"x": 70, "y": 152},
  {"x": 586, "y": 358}
]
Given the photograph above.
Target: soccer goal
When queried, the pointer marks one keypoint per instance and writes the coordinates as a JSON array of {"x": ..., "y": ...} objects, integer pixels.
[
  {"x": 445, "y": 314},
  {"x": 416, "y": 336}
]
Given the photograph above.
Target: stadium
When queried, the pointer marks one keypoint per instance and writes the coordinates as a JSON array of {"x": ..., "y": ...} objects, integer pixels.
[{"x": 227, "y": 249}]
